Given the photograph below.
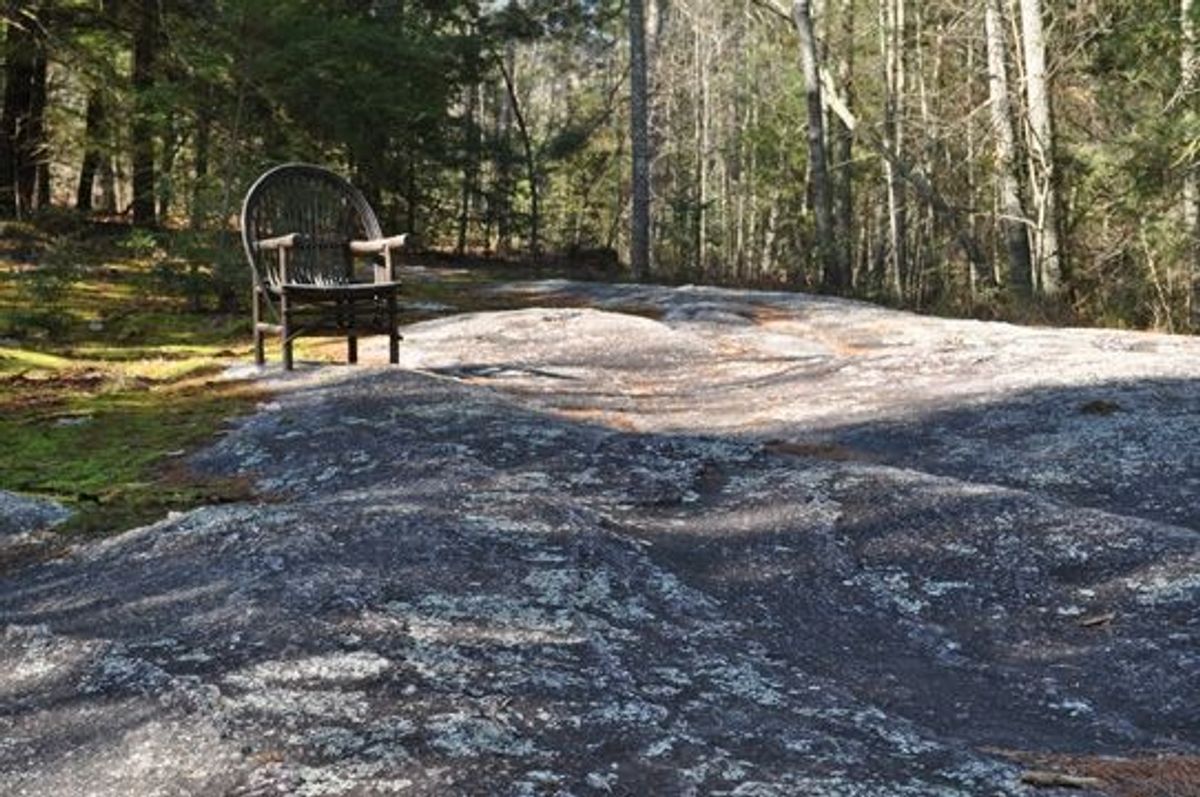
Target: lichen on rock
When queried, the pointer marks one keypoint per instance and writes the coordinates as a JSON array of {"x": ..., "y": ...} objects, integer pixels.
[{"x": 766, "y": 544}]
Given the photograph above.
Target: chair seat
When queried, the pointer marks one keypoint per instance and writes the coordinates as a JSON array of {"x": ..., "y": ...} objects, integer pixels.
[{"x": 349, "y": 290}]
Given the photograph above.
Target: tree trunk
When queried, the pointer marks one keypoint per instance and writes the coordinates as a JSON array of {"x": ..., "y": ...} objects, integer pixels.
[
  {"x": 33, "y": 141},
  {"x": 21, "y": 52},
  {"x": 639, "y": 136},
  {"x": 531, "y": 171},
  {"x": 412, "y": 195},
  {"x": 470, "y": 170},
  {"x": 145, "y": 55},
  {"x": 107, "y": 174},
  {"x": 198, "y": 207},
  {"x": 700, "y": 88},
  {"x": 501, "y": 207},
  {"x": 1012, "y": 221},
  {"x": 843, "y": 154},
  {"x": 892, "y": 31},
  {"x": 1189, "y": 77},
  {"x": 1050, "y": 255},
  {"x": 171, "y": 141},
  {"x": 93, "y": 152},
  {"x": 832, "y": 277},
  {"x": 203, "y": 143}
]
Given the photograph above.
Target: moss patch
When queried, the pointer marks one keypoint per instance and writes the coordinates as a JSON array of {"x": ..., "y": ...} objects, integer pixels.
[
  {"x": 111, "y": 448},
  {"x": 105, "y": 390}
]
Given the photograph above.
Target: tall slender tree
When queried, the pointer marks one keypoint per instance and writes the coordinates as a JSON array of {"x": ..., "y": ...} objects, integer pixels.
[
  {"x": 1042, "y": 166},
  {"x": 892, "y": 30},
  {"x": 1189, "y": 83},
  {"x": 818, "y": 160},
  {"x": 17, "y": 126},
  {"x": 145, "y": 59},
  {"x": 639, "y": 237},
  {"x": 1008, "y": 197},
  {"x": 96, "y": 129},
  {"x": 842, "y": 149}
]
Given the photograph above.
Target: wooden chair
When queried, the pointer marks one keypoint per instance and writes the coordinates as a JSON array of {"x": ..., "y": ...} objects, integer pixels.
[{"x": 302, "y": 228}]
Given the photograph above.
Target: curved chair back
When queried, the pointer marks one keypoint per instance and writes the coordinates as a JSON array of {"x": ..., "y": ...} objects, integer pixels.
[{"x": 325, "y": 210}]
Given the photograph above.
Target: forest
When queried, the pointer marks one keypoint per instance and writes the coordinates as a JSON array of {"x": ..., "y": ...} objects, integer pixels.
[{"x": 1032, "y": 159}]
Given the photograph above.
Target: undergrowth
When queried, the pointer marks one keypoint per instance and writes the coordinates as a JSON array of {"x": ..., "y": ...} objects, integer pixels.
[{"x": 108, "y": 377}]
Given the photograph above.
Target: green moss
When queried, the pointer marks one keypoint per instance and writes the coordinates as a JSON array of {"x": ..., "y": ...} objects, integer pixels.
[
  {"x": 115, "y": 456},
  {"x": 98, "y": 408},
  {"x": 14, "y": 359}
]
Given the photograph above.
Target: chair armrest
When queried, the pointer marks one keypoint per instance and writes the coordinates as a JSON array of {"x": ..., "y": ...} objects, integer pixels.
[
  {"x": 276, "y": 244},
  {"x": 379, "y": 246},
  {"x": 385, "y": 271}
]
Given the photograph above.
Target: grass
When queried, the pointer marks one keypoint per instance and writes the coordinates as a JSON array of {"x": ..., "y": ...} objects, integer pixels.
[
  {"x": 106, "y": 381},
  {"x": 111, "y": 448}
]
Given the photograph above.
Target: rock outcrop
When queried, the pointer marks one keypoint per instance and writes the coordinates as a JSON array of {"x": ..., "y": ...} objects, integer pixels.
[
  {"x": 739, "y": 543},
  {"x": 20, "y": 514}
]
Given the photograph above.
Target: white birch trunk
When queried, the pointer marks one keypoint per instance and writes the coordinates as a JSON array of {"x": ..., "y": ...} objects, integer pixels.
[
  {"x": 1008, "y": 196},
  {"x": 817, "y": 157},
  {"x": 1041, "y": 149}
]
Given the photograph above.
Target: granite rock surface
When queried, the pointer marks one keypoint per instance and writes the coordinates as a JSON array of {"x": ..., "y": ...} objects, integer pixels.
[
  {"x": 678, "y": 541},
  {"x": 21, "y": 514}
]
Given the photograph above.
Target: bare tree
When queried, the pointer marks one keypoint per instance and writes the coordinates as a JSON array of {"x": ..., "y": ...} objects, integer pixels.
[
  {"x": 892, "y": 40},
  {"x": 842, "y": 150},
  {"x": 1012, "y": 212},
  {"x": 1042, "y": 168},
  {"x": 1189, "y": 76},
  {"x": 639, "y": 239},
  {"x": 817, "y": 158},
  {"x": 531, "y": 170}
]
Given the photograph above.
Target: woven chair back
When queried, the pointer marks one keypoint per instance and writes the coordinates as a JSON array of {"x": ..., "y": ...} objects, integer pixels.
[{"x": 324, "y": 209}]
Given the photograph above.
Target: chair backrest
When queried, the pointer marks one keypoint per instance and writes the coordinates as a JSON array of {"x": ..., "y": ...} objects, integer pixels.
[{"x": 318, "y": 205}]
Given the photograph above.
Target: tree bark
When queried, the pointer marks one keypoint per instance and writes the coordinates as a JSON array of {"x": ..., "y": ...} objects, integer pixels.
[
  {"x": 470, "y": 169},
  {"x": 531, "y": 170},
  {"x": 93, "y": 154},
  {"x": 639, "y": 136},
  {"x": 32, "y": 141},
  {"x": 701, "y": 93},
  {"x": 21, "y": 52},
  {"x": 892, "y": 30},
  {"x": 832, "y": 277},
  {"x": 1189, "y": 78},
  {"x": 1012, "y": 221},
  {"x": 145, "y": 56},
  {"x": 500, "y": 208},
  {"x": 1050, "y": 254},
  {"x": 843, "y": 154}
]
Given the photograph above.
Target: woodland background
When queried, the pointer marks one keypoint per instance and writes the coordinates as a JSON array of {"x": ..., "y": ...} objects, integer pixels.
[{"x": 1000, "y": 158}]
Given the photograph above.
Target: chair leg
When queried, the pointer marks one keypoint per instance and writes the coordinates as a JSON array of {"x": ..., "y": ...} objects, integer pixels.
[
  {"x": 393, "y": 333},
  {"x": 260, "y": 349},
  {"x": 285, "y": 333},
  {"x": 346, "y": 316},
  {"x": 260, "y": 355}
]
